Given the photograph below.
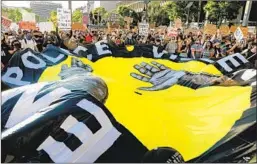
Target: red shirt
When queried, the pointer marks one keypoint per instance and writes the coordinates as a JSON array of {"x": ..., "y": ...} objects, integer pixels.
[{"x": 89, "y": 38}]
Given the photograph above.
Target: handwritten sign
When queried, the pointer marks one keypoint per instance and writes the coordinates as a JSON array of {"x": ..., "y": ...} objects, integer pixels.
[
  {"x": 46, "y": 26},
  {"x": 193, "y": 31},
  {"x": 64, "y": 18},
  {"x": 27, "y": 25},
  {"x": 210, "y": 29},
  {"x": 178, "y": 23},
  {"x": 143, "y": 29},
  {"x": 252, "y": 29},
  {"x": 224, "y": 30},
  {"x": 6, "y": 22},
  {"x": 238, "y": 34},
  {"x": 194, "y": 25},
  {"x": 114, "y": 17},
  {"x": 233, "y": 29},
  {"x": 128, "y": 19},
  {"x": 244, "y": 31},
  {"x": 172, "y": 32},
  {"x": 78, "y": 26}
]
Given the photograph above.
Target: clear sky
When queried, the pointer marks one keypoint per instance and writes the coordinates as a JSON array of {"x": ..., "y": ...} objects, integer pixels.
[{"x": 75, "y": 4}]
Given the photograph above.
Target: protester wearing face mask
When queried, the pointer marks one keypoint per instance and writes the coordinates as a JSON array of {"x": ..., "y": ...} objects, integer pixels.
[
  {"x": 16, "y": 46},
  {"x": 29, "y": 42},
  {"x": 39, "y": 40}
]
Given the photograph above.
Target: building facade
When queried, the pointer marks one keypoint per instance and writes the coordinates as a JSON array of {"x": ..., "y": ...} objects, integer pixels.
[
  {"x": 108, "y": 5},
  {"x": 44, "y": 8},
  {"x": 137, "y": 6}
]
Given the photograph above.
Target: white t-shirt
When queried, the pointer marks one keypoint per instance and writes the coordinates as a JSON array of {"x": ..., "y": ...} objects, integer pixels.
[{"x": 28, "y": 44}]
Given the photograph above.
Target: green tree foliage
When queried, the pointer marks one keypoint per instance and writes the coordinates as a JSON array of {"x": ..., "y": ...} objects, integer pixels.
[
  {"x": 13, "y": 14},
  {"x": 182, "y": 11},
  {"x": 98, "y": 14},
  {"x": 77, "y": 16},
  {"x": 121, "y": 21},
  {"x": 125, "y": 11},
  {"x": 53, "y": 17},
  {"x": 219, "y": 11},
  {"x": 28, "y": 10},
  {"x": 154, "y": 10},
  {"x": 170, "y": 8},
  {"x": 157, "y": 13}
]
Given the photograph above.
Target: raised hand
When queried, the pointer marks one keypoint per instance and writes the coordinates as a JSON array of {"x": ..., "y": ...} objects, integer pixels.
[
  {"x": 157, "y": 74},
  {"x": 77, "y": 67}
]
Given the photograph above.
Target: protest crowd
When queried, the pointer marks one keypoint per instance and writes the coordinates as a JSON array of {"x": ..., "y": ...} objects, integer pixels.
[
  {"x": 191, "y": 44},
  {"x": 73, "y": 95}
]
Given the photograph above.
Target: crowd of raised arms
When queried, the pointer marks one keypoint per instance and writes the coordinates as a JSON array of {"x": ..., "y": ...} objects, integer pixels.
[{"x": 191, "y": 45}]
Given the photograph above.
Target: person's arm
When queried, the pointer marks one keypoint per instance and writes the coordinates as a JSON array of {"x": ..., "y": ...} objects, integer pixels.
[
  {"x": 35, "y": 46},
  {"x": 179, "y": 47},
  {"x": 232, "y": 49},
  {"x": 193, "y": 52},
  {"x": 213, "y": 37}
]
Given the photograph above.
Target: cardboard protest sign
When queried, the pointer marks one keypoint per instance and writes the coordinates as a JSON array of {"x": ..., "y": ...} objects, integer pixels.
[
  {"x": 152, "y": 25},
  {"x": 6, "y": 22},
  {"x": 238, "y": 34},
  {"x": 172, "y": 32},
  {"x": 224, "y": 30},
  {"x": 194, "y": 31},
  {"x": 233, "y": 29},
  {"x": 143, "y": 29},
  {"x": 128, "y": 19},
  {"x": 113, "y": 17},
  {"x": 210, "y": 29},
  {"x": 14, "y": 27},
  {"x": 46, "y": 26},
  {"x": 178, "y": 23},
  {"x": 252, "y": 29},
  {"x": 64, "y": 18},
  {"x": 27, "y": 25},
  {"x": 78, "y": 26},
  {"x": 161, "y": 29},
  {"x": 244, "y": 31},
  {"x": 194, "y": 25}
]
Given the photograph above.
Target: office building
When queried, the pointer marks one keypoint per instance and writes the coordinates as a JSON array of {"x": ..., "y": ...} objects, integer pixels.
[
  {"x": 108, "y": 5},
  {"x": 44, "y": 8}
]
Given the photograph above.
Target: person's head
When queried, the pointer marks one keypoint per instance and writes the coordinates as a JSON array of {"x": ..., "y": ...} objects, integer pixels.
[
  {"x": 16, "y": 45},
  {"x": 197, "y": 41},
  {"x": 51, "y": 39},
  {"x": 180, "y": 38},
  {"x": 28, "y": 36},
  {"x": 173, "y": 39},
  {"x": 209, "y": 45},
  {"x": 157, "y": 41}
]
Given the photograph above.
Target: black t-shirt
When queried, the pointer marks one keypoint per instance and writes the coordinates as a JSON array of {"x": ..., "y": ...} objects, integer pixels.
[{"x": 5, "y": 55}]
